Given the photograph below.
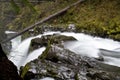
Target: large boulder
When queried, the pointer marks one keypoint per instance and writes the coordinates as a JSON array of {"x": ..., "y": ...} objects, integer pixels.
[
  {"x": 43, "y": 41},
  {"x": 62, "y": 64}
]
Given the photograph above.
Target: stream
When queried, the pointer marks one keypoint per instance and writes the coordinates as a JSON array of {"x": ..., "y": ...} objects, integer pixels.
[{"x": 84, "y": 45}]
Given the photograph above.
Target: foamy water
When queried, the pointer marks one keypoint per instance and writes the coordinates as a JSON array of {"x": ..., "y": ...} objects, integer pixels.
[
  {"x": 85, "y": 45},
  {"x": 47, "y": 78},
  {"x": 15, "y": 42},
  {"x": 33, "y": 55},
  {"x": 20, "y": 56}
]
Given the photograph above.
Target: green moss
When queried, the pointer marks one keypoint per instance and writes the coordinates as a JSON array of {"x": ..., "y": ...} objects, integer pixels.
[
  {"x": 76, "y": 76},
  {"x": 45, "y": 53},
  {"x": 15, "y": 6},
  {"x": 97, "y": 17},
  {"x": 25, "y": 70}
]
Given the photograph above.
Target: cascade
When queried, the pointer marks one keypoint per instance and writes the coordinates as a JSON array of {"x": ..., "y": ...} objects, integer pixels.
[
  {"x": 85, "y": 45},
  {"x": 33, "y": 55},
  {"x": 20, "y": 55}
]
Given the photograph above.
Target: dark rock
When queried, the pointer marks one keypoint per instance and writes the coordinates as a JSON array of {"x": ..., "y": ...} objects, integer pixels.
[
  {"x": 8, "y": 71},
  {"x": 29, "y": 75},
  {"x": 98, "y": 75},
  {"x": 2, "y": 54},
  {"x": 55, "y": 39}
]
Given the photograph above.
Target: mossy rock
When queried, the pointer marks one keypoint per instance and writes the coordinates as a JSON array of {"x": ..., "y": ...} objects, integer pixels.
[{"x": 62, "y": 64}]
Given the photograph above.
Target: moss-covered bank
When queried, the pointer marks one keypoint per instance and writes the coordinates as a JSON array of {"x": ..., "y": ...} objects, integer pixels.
[{"x": 95, "y": 17}]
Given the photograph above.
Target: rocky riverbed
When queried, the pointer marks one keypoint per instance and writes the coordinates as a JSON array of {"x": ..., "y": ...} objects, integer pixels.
[{"x": 62, "y": 64}]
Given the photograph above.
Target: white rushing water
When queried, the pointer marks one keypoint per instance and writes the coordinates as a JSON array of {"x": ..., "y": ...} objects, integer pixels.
[
  {"x": 19, "y": 55},
  {"x": 91, "y": 46},
  {"x": 47, "y": 78},
  {"x": 88, "y": 45},
  {"x": 16, "y": 42},
  {"x": 112, "y": 61},
  {"x": 94, "y": 41},
  {"x": 8, "y": 32},
  {"x": 35, "y": 53},
  {"x": 84, "y": 45}
]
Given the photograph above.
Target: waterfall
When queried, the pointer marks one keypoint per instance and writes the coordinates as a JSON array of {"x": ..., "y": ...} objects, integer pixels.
[
  {"x": 19, "y": 55},
  {"x": 15, "y": 42},
  {"x": 33, "y": 55},
  {"x": 85, "y": 45}
]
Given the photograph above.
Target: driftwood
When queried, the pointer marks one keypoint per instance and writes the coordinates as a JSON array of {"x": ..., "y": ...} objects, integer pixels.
[{"x": 43, "y": 20}]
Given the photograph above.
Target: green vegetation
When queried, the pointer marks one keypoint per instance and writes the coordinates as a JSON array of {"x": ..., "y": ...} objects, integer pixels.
[
  {"x": 95, "y": 17},
  {"x": 45, "y": 53},
  {"x": 15, "y": 6},
  {"x": 25, "y": 70}
]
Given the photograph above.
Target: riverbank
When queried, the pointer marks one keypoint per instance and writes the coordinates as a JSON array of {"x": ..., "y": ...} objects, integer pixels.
[{"x": 99, "y": 18}]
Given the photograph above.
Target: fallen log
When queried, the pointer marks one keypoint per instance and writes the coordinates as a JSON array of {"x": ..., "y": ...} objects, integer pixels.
[{"x": 43, "y": 20}]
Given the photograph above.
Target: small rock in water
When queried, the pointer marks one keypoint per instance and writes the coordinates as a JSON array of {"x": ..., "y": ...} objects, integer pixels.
[{"x": 71, "y": 27}]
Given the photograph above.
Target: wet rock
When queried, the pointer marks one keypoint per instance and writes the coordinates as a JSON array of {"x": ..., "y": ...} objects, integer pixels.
[
  {"x": 71, "y": 27},
  {"x": 46, "y": 28},
  {"x": 102, "y": 75},
  {"x": 43, "y": 41},
  {"x": 29, "y": 75},
  {"x": 62, "y": 64}
]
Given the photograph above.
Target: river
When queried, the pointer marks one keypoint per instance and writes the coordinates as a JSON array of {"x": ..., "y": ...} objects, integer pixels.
[{"x": 84, "y": 45}]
